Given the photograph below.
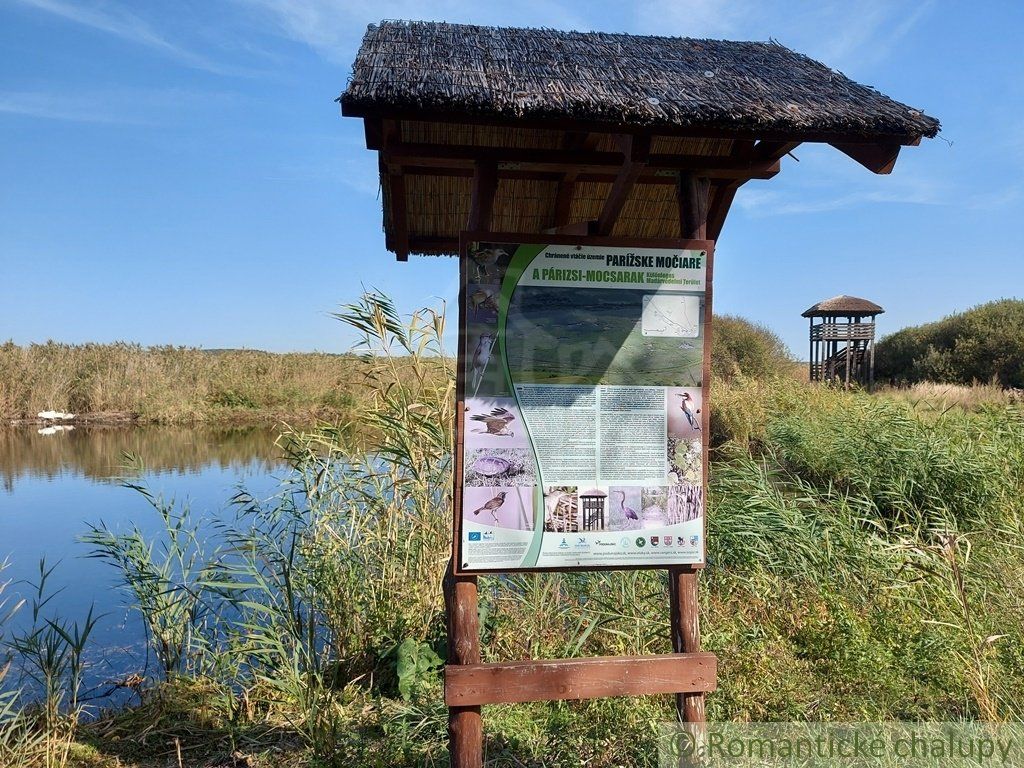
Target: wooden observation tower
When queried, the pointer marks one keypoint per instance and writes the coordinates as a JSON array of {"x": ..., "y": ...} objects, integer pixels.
[{"x": 842, "y": 336}]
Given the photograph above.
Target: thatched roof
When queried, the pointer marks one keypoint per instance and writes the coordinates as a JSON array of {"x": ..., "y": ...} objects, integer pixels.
[
  {"x": 534, "y": 130},
  {"x": 628, "y": 80},
  {"x": 843, "y": 305}
]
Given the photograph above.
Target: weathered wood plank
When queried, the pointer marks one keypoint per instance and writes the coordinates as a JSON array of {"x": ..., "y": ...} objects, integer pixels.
[{"x": 561, "y": 679}]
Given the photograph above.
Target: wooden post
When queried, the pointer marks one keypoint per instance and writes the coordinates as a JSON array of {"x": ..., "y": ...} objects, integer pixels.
[
  {"x": 682, "y": 581},
  {"x": 849, "y": 350},
  {"x": 810, "y": 358},
  {"x": 871, "y": 353},
  {"x": 682, "y": 592},
  {"x": 465, "y": 724}
]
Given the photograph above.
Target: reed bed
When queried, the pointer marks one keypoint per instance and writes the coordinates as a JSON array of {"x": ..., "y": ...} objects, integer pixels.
[
  {"x": 864, "y": 563},
  {"x": 177, "y": 385}
]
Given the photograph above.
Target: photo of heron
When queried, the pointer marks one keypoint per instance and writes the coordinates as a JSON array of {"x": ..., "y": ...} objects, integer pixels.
[
  {"x": 494, "y": 422},
  {"x": 500, "y": 507},
  {"x": 494, "y": 467},
  {"x": 594, "y": 336},
  {"x": 623, "y": 508}
]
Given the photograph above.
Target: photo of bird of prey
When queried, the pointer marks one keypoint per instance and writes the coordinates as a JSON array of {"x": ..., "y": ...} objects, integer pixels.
[
  {"x": 492, "y": 506},
  {"x": 690, "y": 410},
  {"x": 496, "y": 422}
]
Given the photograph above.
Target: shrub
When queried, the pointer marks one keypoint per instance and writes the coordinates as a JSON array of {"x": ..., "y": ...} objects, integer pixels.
[
  {"x": 983, "y": 344},
  {"x": 743, "y": 348}
]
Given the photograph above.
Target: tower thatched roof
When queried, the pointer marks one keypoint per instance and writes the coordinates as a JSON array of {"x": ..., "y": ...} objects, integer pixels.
[
  {"x": 843, "y": 305},
  {"x": 658, "y": 82}
]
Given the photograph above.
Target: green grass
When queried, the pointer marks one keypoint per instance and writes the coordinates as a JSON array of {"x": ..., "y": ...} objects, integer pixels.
[{"x": 865, "y": 562}]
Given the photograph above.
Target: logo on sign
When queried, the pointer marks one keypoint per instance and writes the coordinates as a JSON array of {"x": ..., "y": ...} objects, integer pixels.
[{"x": 474, "y": 535}]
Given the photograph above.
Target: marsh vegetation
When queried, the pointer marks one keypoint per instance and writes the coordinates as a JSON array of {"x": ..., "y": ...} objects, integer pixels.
[{"x": 864, "y": 563}]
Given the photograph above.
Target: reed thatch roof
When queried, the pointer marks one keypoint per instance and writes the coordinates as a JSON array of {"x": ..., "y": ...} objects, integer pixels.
[
  {"x": 533, "y": 130},
  {"x": 843, "y": 305},
  {"x": 543, "y": 74}
]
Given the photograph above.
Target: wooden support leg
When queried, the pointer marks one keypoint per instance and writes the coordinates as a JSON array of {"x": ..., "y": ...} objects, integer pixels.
[
  {"x": 465, "y": 725},
  {"x": 682, "y": 590}
]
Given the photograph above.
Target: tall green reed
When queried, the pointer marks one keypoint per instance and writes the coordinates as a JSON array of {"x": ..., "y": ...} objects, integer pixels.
[{"x": 163, "y": 577}]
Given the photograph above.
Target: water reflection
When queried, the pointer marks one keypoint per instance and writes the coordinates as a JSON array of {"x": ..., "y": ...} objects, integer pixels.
[
  {"x": 55, "y": 486},
  {"x": 97, "y": 452}
]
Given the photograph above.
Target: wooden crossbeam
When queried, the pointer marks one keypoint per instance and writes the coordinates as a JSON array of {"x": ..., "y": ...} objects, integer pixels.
[
  {"x": 579, "y": 228},
  {"x": 877, "y": 158},
  {"x": 591, "y": 678},
  {"x": 567, "y": 185},
  {"x": 721, "y": 201},
  {"x": 636, "y": 151},
  {"x": 605, "y": 176},
  {"x": 568, "y": 161}
]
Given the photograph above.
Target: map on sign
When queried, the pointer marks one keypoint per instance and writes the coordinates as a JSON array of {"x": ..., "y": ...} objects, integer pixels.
[{"x": 671, "y": 315}]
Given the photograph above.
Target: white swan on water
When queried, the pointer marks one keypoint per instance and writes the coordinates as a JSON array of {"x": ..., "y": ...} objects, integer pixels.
[{"x": 55, "y": 416}]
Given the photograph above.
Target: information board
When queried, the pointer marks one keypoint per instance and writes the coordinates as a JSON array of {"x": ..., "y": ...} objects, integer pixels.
[{"x": 581, "y": 437}]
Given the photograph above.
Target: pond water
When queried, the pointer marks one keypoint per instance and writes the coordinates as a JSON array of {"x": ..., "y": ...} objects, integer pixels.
[{"x": 52, "y": 486}]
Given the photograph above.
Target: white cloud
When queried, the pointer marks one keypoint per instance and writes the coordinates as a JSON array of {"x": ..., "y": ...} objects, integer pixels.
[
  {"x": 133, "y": 106},
  {"x": 334, "y": 28},
  {"x": 840, "y": 33},
  {"x": 121, "y": 23}
]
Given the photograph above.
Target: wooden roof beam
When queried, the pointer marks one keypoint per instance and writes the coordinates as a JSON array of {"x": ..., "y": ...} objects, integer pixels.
[
  {"x": 637, "y": 151},
  {"x": 877, "y": 158},
  {"x": 772, "y": 150},
  {"x": 566, "y": 161},
  {"x": 567, "y": 186},
  {"x": 601, "y": 176},
  {"x": 693, "y": 192},
  {"x": 389, "y": 132},
  {"x": 606, "y": 127},
  {"x": 485, "y": 188}
]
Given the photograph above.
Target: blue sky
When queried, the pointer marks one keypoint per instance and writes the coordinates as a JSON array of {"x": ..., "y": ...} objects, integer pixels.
[{"x": 179, "y": 173}]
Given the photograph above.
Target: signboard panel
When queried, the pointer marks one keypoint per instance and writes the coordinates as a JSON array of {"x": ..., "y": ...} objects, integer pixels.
[{"x": 581, "y": 432}]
